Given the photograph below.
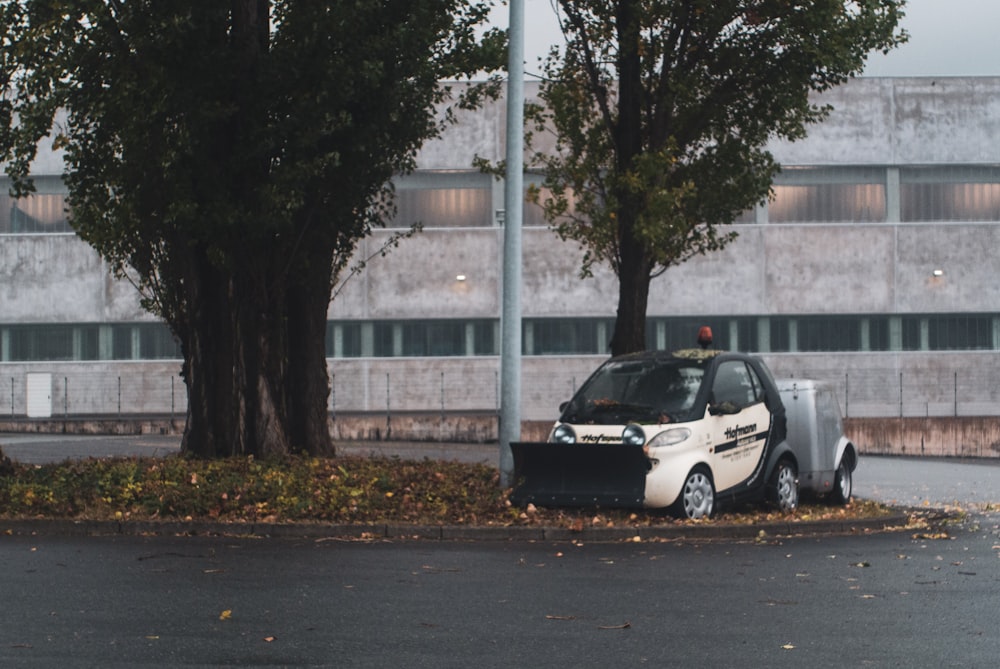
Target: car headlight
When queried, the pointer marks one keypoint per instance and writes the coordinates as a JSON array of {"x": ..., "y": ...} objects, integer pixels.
[
  {"x": 670, "y": 437},
  {"x": 633, "y": 435},
  {"x": 563, "y": 434}
]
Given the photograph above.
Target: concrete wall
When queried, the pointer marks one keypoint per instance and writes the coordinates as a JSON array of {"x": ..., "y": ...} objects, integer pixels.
[
  {"x": 874, "y": 121},
  {"x": 771, "y": 269},
  {"x": 60, "y": 279}
]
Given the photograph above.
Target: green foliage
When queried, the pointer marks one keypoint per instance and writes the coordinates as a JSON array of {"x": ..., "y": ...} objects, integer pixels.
[
  {"x": 226, "y": 156},
  {"x": 174, "y": 137},
  {"x": 662, "y": 111}
]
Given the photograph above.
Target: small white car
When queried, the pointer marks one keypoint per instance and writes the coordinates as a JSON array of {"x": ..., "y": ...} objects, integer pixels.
[{"x": 685, "y": 430}]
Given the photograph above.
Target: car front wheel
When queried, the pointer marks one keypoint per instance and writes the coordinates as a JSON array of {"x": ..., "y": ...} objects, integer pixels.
[
  {"x": 843, "y": 484},
  {"x": 783, "y": 488},
  {"x": 697, "y": 498}
]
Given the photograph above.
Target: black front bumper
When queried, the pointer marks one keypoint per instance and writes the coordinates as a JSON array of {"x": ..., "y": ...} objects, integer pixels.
[{"x": 606, "y": 475}]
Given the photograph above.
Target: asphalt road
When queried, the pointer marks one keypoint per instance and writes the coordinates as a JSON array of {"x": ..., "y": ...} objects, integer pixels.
[
  {"x": 902, "y": 599},
  {"x": 884, "y": 600}
]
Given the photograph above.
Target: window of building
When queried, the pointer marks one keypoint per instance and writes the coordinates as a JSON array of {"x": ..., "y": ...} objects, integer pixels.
[
  {"x": 143, "y": 341},
  {"x": 157, "y": 342},
  {"x": 828, "y": 333},
  {"x": 566, "y": 336},
  {"x": 728, "y": 334},
  {"x": 828, "y": 195},
  {"x": 547, "y": 336},
  {"x": 534, "y": 214},
  {"x": 949, "y": 193},
  {"x": 444, "y": 199},
  {"x": 960, "y": 332},
  {"x": 44, "y": 342},
  {"x": 485, "y": 340},
  {"x": 44, "y": 211}
]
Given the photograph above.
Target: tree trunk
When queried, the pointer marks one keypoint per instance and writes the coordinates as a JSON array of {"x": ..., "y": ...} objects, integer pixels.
[
  {"x": 633, "y": 296},
  {"x": 633, "y": 267},
  {"x": 239, "y": 327},
  {"x": 308, "y": 379}
]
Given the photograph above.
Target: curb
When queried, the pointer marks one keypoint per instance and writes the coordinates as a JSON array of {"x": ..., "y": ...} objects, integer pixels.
[{"x": 315, "y": 531}]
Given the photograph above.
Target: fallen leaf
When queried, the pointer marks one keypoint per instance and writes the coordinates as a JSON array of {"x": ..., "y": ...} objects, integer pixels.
[
  {"x": 226, "y": 615},
  {"x": 560, "y": 617},
  {"x": 623, "y": 626},
  {"x": 269, "y": 639}
]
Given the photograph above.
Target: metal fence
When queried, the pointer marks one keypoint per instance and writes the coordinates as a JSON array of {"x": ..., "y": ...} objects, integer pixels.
[{"x": 449, "y": 388}]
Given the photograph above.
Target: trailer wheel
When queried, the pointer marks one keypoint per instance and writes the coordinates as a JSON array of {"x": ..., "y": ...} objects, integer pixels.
[
  {"x": 783, "y": 488},
  {"x": 697, "y": 498},
  {"x": 843, "y": 484}
]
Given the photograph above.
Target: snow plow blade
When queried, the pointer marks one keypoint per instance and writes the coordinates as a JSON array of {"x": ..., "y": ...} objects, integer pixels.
[{"x": 607, "y": 475}]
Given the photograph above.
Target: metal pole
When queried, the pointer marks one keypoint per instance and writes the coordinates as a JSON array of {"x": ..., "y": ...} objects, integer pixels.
[
  {"x": 510, "y": 348},
  {"x": 388, "y": 409},
  {"x": 956, "y": 394},
  {"x": 847, "y": 395}
]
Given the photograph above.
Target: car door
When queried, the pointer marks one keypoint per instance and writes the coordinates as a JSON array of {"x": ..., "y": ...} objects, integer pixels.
[{"x": 740, "y": 423}]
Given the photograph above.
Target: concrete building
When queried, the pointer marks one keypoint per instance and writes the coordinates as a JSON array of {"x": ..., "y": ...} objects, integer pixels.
[{"x": 873, "y": 266}]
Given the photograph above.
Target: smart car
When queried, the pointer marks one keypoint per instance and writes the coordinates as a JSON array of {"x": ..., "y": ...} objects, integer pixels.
[{"x": 684, "y": 430}]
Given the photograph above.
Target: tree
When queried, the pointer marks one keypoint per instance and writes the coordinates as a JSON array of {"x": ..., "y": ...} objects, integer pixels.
[
  {"x": 662, "y": 110},
  {"x": 227, "y": 156}
]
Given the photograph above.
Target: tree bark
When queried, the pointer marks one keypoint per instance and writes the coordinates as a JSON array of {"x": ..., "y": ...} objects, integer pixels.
[
  {"x": 253, "y": 335},
  {"x": 308, "y": 379},
  {"x": 633, "y": 297}
]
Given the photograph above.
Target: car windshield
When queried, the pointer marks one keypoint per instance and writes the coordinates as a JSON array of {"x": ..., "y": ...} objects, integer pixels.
[{"x": 644, "y": 391}]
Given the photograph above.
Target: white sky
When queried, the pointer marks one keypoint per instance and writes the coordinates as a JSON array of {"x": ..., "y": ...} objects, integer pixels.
[{"x": 947, "y": 38}]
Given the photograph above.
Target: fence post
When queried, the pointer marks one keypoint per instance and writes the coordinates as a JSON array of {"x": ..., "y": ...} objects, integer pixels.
[
  {"x": 388, "y": 411},
  {"x": 12, "y": 397},
  {"x": 442, "y": 396},
  {"x": 119, "y": 397},
  {"x": 65, "y": 397},
  {"x": 847, "y": 395},
  {"x": 900, "y": 394},
  {"x": 956, "y": 394}
]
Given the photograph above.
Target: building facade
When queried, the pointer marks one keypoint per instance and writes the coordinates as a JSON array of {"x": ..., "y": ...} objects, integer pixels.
[{"x": 874, "y": 266}]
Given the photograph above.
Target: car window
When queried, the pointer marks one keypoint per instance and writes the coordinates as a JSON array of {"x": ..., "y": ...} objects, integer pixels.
[
  {"x": 637, "y": 390},
  {"x": 736, "y": 383}
]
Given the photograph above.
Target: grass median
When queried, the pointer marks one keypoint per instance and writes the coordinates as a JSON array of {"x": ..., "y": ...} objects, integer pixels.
[{"x": 343, "y": 490}]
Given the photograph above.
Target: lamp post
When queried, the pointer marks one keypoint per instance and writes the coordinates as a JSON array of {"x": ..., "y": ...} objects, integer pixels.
[{"x": 510, "y": 319}]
